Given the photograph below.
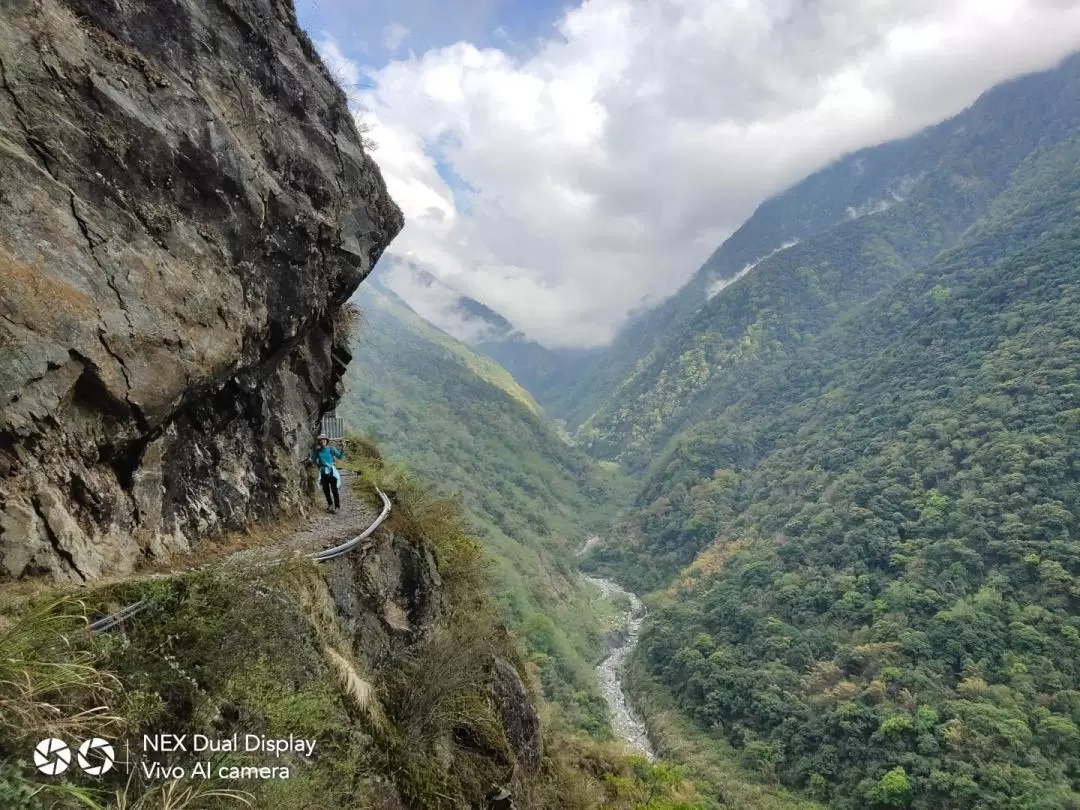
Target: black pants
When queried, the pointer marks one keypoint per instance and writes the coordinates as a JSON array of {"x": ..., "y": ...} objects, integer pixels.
[{"x": 329, "y": 488}]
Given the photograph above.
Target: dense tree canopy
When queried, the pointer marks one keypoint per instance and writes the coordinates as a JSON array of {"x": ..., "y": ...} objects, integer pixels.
[{"x": 880, "y": 538}]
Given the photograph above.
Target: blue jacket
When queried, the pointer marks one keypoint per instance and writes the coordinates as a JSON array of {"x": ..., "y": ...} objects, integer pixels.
[{"x": 324, "y": 457}]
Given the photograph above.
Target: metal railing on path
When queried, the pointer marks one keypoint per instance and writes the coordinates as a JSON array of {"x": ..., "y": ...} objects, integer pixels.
[{"x": 324, "y": 555}]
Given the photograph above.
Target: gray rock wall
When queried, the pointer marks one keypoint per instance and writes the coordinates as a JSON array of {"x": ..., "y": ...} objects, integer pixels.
[{"x": 184, "y": 203}]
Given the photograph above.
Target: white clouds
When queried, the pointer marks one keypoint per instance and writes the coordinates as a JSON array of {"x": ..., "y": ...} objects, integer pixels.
[
  {"x": 435, "y": 302},
  {"x": 393, "y": 35},
  {"x": 603, "y": 169},
  {"x": 716, "y": 285}
]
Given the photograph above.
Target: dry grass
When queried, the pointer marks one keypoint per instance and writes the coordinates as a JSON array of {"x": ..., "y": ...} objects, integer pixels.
[
  {"x": 177, "y": 795},
  {"x": 318, "y": 606},
  {"x": 49, "y": 687},
  {"x": 361, "y": 690}
]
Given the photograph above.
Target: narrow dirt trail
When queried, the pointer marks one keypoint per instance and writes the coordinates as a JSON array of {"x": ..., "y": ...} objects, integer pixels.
[
  {"x": 322, "y": 530},
  {"x": 333, "y": 533}
]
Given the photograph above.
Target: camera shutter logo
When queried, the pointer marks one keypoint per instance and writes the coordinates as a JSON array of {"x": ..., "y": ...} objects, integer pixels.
[
  {"x": 52, "y": 756},
  {"x": 104, "y": 757}
]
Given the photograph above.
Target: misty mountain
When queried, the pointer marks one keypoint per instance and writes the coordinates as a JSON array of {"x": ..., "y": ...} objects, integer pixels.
[
  {"x": 546, "y": 373},
  {"x": 815, "y": 254},
  {"x": 863, "y": 530}
]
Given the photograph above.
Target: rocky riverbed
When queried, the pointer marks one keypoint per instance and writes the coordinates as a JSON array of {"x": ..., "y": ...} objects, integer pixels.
[{"x": 625, "y": 721}]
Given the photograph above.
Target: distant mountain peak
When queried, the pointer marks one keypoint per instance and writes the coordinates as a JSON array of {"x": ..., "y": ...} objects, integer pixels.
[
  {"x": 539, "y": 369},
  {"x": 489, "y": 316},
  {"x": 444, "y": 306}
]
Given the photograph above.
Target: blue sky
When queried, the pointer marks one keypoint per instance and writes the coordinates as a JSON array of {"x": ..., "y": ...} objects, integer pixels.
[{"x": 361, "y": 26}]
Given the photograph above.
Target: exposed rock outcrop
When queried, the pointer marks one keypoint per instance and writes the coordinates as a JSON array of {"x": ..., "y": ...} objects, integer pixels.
[
  {"x": 519, "y": 718},
  {"x": 389, "y": 597},
  {"x": 184, "y": 203}
]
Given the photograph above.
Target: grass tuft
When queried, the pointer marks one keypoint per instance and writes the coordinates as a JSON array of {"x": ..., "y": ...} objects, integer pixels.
[
  {"x": 178, "y": 795},
  {"x": 49, "y": 685},
  {"x": 361, "y": 690},
  {"x": 348, "y": 320}
]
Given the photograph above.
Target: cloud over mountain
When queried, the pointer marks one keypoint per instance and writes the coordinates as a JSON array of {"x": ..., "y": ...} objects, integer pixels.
[{"x": 568, "y": 187}]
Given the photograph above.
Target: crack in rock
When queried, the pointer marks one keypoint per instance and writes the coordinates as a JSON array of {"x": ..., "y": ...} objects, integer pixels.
[
  {"x": 54, "y": 541},
  {"x": 89, "y": 235},
  {"x": 35, "y": 143}
]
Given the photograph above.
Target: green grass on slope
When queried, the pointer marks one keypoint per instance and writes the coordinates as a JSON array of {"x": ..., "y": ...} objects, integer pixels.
[
  {"x": 483, "y": 367},
  {"x": 267, "y": 650},
  {"x": 531, "y": 498}
]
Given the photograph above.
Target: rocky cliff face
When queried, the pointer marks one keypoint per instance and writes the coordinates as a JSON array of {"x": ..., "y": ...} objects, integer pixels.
[{"x": 184, "y": 204}]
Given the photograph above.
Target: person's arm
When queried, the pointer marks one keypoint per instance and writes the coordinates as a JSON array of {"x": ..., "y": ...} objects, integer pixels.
[{"x": 337, "y": 452}]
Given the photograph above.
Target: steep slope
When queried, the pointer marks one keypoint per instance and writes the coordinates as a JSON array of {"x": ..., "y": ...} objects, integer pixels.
[
  {"x": 185, "y": 203},
  {"x": 549, "y": 374},
  {"x": 459, "y": 420},
  {"x": 545, "y": 372},
  {"x": 818, "y": 251},
  {"x": 870, "y": 180},
  {"x": 883, "y": 608},
  {"x": 386, "y": 300},
  {"x": 529, "y": 362},
  {"x": 382, "y": 679}
]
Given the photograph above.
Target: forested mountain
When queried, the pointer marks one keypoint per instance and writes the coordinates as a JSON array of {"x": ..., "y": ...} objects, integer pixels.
[
  {"x": 813, "y": 254},
  {"x": 549, "y": 374},
  {"x": 866, "y": 181},
  {"x": 463, "y": 423},
  {"x": 877, "y": 527},
  {"x": 857, "y": 440}
]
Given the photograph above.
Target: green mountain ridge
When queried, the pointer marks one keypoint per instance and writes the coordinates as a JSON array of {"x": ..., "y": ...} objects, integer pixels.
[
  {"x": 549, "y": 375},
  {"x": 674, "y": 355},
  {"x": 868, "y": 540},
  {"x": 491, "y": 372}
]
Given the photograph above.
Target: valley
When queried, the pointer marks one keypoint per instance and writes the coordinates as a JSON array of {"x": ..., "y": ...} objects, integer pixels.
[
  {"x": 803, "y": 534},
  {"x": 849, "y": 493},
  {"x": 626, "y": 724}
]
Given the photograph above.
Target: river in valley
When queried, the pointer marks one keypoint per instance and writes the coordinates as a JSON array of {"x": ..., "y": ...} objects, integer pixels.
[{"x": 625, "y": 722}]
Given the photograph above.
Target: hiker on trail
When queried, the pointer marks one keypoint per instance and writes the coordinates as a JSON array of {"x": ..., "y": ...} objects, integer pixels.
[{"x": 324, "y": 455}]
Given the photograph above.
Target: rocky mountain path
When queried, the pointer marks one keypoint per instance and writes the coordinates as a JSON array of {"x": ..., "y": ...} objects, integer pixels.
[
  {"x": 322, "y": 529},
  {"x": 316, "y": 531},
  {"x": 333, "y": 534}
]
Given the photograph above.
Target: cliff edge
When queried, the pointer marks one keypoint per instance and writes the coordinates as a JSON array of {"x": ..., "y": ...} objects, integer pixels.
[{"x": 184, "y": 205}]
